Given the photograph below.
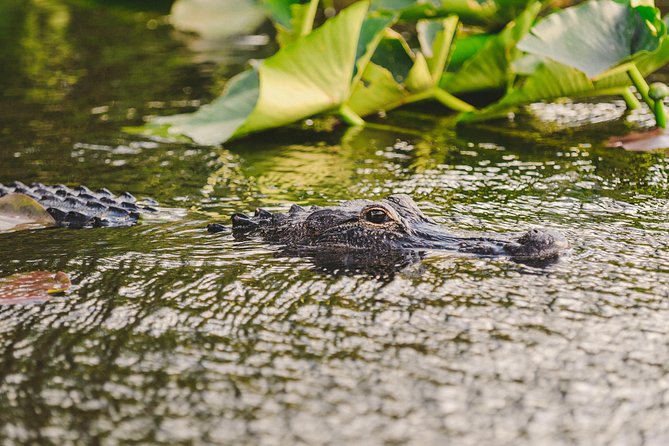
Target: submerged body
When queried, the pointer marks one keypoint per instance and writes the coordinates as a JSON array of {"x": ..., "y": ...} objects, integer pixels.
[
  {"x": 81, "y": 207},
  {"x": 391, "y": 224}
]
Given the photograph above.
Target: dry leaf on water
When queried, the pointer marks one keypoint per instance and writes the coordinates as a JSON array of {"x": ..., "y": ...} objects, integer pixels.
[{"x": 32, "y": 286}]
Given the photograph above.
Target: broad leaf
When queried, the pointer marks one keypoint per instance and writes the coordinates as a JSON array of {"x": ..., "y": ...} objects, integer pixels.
[
  {"x": 309, "y": 76},
  {"x": 218, "y": 121},
  {"x": 377, "y": 90},
  {"x": 436, "y": 38},
  {"x": 488, "y": 68},
  {"x": 19, "y": 212},
  {"x": 544, "y": 79},
  {"x": 595, "y": 36},
  {"x": 397, "y": 76}
]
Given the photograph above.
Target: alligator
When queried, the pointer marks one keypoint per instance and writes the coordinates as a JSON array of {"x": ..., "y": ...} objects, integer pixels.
[
  {"x": 80, "y": 207},
  {"x": 383, "y": 228}
]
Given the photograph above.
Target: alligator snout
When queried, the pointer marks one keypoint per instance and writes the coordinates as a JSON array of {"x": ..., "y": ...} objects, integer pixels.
[{"x": 537, "y": 244}]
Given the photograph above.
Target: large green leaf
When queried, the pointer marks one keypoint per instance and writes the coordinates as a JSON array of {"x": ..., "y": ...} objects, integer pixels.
[
  {"x": 488, "y": 68},
  {"x": 218, "y": 121},
  {"x": 377, "y": 90},
  {"x": 595, "y": 36},
  {"x": 397, "y": 75},
  {"x": 545, "y": 79},
  {"x": 309, "y": 76},
  {"x": 552, "y": 80},
  {"x": 436, "y": 39}
]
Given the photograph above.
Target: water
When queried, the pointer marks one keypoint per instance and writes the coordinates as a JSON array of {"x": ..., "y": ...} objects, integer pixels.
[{"x": 173, "y": 335}]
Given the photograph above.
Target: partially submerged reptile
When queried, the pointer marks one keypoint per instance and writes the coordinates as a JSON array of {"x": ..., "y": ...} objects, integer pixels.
[
  {"x": 81, "y": 207},
  {"x": 381, "y": 227},
  {"x": 376, "y": 229}
]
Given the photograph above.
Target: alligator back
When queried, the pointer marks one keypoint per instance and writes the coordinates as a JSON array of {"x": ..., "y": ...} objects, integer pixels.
[{"x": 81, "y": 207}]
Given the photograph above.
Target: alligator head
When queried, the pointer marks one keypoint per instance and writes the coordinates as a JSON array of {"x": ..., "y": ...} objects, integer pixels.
[{"x": 391, "y": 224}]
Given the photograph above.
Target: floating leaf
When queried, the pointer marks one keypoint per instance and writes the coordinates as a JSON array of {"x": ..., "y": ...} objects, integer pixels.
[
  {"x": 309, "y": 76},
  {"x": 19, "y": 212},
  {"x": 32, "y": 286},
  {"x": 595, "y": 36},
  {"x": 542, "y": 78}
]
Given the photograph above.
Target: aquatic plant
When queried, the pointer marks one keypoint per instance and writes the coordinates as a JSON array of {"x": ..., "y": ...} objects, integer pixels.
[{"x": 356, "y": 63}]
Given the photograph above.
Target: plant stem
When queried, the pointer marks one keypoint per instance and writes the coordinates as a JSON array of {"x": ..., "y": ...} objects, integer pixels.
[
  {"x": 660, "y": 116},
  {"x": 641, "y": 85},
  {"x": 436, "y": 93},
  {"x": 308, "y": 22},
  {"x": 451, "y": 101},
  {"x": 349, "y": 116},
  {"x": 630, "y": 100}
]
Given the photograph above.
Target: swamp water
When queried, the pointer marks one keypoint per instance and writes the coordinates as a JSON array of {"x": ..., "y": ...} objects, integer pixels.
[{"x": 173, "y": 335}]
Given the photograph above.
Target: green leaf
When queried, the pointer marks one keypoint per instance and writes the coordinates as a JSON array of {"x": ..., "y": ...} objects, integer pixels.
[
  {"x": 218, "y": 121},
  {"x": 394, "y": 54},
  {"x": 376, "y": 90},
  {"x": 396, "y": 76},
  {"x": 544, "y": 79},
  {"x": 436, "y": 38},
  {"x": 19, "y": 212},
  {"x": 280, "y": 11},
  {"x": 595, "y": 36},
  {"x": 370, "y": 36},
  {"x": 489, "y": 68},
  {"x": 309, "y": 76},
  {"x": 300, "y": 24},
  {"x": 465, "y": 47}
]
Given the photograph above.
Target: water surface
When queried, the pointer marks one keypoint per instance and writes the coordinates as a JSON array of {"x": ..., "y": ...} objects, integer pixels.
[{"x": 173, "y": 335}]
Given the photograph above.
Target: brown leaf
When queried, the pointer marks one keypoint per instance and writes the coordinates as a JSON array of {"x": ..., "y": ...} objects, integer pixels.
[
  {"x": 32, "y": 286},
  {"x": 19, "y": 212}
]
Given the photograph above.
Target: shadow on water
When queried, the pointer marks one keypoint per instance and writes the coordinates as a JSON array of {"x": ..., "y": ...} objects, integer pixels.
[{"x": 170, "y": 335}]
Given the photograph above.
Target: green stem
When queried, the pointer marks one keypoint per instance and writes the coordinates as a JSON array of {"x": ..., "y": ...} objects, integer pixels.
[
  {"x": 437, "y": 93},
  {"x": 308, "y": 22},
  {"x": 631, "y": 100},
  {"x": 349, "y": 116},
  {"x": 451, "y": 101},
  {"x": 641, "y": 85},
  {"x": 660, "y": 116}
]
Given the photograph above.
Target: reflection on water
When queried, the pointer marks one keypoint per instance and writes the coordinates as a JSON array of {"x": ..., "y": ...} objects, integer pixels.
[{"x": 174, "y": 335}]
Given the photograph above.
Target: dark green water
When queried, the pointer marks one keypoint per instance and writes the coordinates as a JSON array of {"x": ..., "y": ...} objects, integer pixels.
[{"x": 172, "y": 335}]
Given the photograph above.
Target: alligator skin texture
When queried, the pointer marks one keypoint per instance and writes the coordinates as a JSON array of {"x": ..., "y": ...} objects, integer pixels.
[{"x": 80, "y": 207}]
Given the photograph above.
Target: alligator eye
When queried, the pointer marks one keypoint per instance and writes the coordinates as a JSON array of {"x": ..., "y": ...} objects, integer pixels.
[{"x": 377, "y": 216}]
